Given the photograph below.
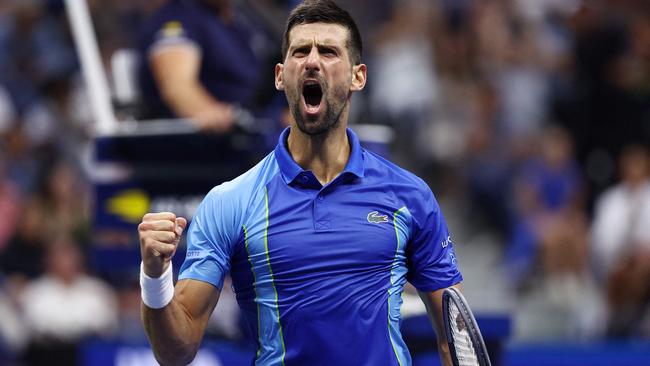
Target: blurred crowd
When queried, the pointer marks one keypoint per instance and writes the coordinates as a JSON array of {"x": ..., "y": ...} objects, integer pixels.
[{"x": 532, "y": 116}]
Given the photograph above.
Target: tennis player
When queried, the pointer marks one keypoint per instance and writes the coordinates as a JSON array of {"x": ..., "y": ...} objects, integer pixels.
[{"x": 320, "y": 237}]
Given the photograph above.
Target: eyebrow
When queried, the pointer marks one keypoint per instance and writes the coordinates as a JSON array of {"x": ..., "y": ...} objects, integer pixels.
[{"x": 309, "y": 43}]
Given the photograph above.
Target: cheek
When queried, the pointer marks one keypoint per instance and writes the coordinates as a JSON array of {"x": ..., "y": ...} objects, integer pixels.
[
  {"x": 341, "y": 85},
  {"x": 341, "y": 79},
  {"x": 290, "y": 79}
]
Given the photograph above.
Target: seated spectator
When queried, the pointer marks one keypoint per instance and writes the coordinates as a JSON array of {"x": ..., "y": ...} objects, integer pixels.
[
  {"x": 65, "y": 196},
  {"x": 64, "y": 306},
  {"x": 549, "y": 253},
  {"x": 621, "y": 241},
  {"x": 197, "y": 62},
  {"x": 10, "y": 202},
  {"x": 22, "y": 259},
  {"x": 549, "y": 224}
]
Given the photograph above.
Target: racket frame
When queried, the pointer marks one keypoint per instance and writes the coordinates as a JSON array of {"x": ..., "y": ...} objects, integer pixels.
[{"x": 452, "y": 294}]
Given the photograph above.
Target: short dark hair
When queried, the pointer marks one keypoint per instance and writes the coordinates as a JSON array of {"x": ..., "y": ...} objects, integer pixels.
[{"x": 325, "y": 11}]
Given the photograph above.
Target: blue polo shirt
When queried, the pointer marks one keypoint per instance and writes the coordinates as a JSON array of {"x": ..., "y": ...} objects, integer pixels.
[
  {"x": 319, "y": 270},
  {"x": 229, "y": 69}
]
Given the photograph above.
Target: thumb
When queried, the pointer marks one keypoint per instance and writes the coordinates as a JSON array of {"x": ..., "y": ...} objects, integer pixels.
[{"x": 181, "y": 224}]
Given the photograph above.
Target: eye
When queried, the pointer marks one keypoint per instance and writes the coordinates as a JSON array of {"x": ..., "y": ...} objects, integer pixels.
[
  {"x": 327, "y": 51},
  {"x": 300, "y": 52}
]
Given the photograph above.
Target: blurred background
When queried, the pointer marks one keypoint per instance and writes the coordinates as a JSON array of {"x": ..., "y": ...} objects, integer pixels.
[{"x": 529, "y": 119}]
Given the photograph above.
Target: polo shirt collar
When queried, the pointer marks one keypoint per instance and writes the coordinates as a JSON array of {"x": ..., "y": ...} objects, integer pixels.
[{"x": 290, "y": 169}]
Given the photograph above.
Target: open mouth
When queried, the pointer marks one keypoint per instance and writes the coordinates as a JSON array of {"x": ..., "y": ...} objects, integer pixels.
[{"x": 313, "y": 94}]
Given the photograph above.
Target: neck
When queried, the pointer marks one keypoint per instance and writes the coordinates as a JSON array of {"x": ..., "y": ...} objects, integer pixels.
[
  {"x": 635, "y": 183},
  {"x": 324, "y": 155}
]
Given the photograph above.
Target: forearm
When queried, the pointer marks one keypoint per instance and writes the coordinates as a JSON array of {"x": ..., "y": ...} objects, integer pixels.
[
  {"x": 433, "y": 303},
  {"x": 443, "y": 350},
  {"x": 192, "y": 100},
  {"x": 171, "y": 334},
  {"x": 443, "y": 346},
  {"x": 174, "y": 317}
]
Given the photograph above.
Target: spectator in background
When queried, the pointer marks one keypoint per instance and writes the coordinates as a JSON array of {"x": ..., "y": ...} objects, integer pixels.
[
  {"x": 64, "y": 196},
  {"x": 510, "y": 54},
  {"x": 197, "y": 62},
  {"x": 60, "y": 207},
  {"x": 64, "y": 306},
  {"x": 611, "y": 76},
  {"x": 549, "y": 221},
  {"x": 36, "y": 49},
  {"x": 23, "y": 257},
  {"x": 621, "y": 241},
  {"x": 405, "y": 100},
  {"x": 10, "y": 203},
  {"x": 548, "y": 252},
  {"x": 21, "y": 160}
]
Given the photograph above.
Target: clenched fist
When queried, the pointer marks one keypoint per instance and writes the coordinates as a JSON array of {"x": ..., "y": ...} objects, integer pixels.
[{"x": 159, "y": 236}]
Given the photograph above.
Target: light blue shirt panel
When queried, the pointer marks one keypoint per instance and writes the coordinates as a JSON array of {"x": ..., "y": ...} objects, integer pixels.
[{"x": 217, "y": 226}]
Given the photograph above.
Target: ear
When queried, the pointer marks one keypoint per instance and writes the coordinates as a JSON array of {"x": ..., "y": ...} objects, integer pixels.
[
  {"x": 279, "y": 84},
  {"x": 358, "y": 77}
]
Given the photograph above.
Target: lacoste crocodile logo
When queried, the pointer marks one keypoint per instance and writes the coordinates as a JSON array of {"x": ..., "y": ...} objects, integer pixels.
[{"x": 375, "y": 218}]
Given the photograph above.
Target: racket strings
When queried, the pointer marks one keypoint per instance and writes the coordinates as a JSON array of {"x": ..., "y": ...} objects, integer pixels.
[{"x": 463, "y": 345}]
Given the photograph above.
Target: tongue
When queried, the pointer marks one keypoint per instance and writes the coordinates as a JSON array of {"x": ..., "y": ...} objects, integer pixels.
[{"x": 312, "y": 109}]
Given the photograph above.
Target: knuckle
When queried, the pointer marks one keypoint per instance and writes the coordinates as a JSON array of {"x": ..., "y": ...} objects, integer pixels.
[
  {"x": 142, "y": 226},
  {"x": 169, "y": 215},
  {"x": 165, "y": 237},
  {"x": 168, "y": 225},
  {"x": 150, "y": 244}
]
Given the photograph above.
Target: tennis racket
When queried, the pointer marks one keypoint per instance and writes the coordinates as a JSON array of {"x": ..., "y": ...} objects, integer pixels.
[{"x": 463, "y": 336}]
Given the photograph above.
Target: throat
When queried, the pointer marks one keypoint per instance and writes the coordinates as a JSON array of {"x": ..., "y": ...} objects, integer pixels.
[{"x": 325, "y": 156}]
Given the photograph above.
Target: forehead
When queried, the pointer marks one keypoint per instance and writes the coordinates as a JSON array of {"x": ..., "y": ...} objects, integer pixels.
[{"x": 320, "y": 33}]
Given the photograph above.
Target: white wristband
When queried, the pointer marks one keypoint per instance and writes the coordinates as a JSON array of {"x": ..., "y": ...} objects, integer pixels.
[{"x": 157, "y": 292}]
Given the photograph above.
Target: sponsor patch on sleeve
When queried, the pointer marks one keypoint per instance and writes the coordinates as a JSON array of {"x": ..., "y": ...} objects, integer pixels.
[{"x": 196, "y": 254}]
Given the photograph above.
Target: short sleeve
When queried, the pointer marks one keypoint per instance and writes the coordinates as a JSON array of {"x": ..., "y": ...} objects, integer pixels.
[
  {"x": 430, "y": 253},
  {"x": 174, "y": 27},
  {"x": 211, "y": 238}
]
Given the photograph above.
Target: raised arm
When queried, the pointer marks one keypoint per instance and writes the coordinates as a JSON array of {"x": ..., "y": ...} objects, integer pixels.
[
  {"x": 174, "y": 328},
  {"x": 433, "y": 302}
]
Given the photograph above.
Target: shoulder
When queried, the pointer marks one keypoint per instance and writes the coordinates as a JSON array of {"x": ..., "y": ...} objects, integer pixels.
[
  {"x": 239, "y": 192},
  {"x": 176, "y": 8},
  {"x": 406, "y": 183},
  {"x": 646, "y": 191},
  {"x": 93, "y": 286},
  {"x": 167, "y": 12},
  {"x": 173, "y": 19},
  {"x": 612, "y": 196}
]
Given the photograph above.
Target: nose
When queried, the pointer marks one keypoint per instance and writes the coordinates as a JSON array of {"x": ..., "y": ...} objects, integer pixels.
[{"x": 312, "y": 62}]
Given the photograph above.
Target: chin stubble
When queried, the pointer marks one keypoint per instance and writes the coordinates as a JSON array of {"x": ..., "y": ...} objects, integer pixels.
[{"x": 330, "y": 120}]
